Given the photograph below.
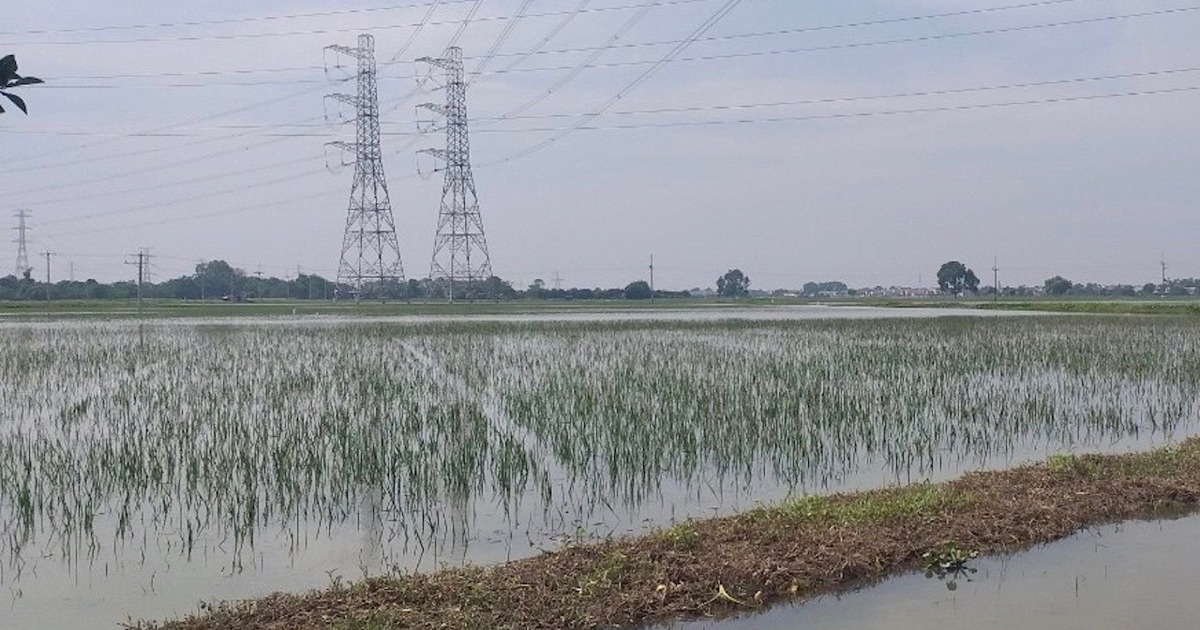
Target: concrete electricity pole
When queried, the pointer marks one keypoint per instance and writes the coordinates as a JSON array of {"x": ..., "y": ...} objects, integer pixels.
[
  {"x": 142, "y": 260},
  {"x": 995, "y": 280},
  {"x": 47, "y": 255}
]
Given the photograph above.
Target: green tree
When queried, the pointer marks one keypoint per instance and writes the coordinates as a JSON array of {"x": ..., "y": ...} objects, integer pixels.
[
  {"x": 1058, "y": 285},
  {"x": 956, "y": 278},
  {"x": 217, "y": 278},
  {"x": 733, "y": 284},
  {"x": 495, "y": 288},
  {"x": 815, "y": 288},
  {"x": 415, "y": 289},
  {"x": 639, "y": 290},
  {"x": 1149, "y": 288},
  {"x": 10, "y": 79},
  {"x": 537, "y": 289}
]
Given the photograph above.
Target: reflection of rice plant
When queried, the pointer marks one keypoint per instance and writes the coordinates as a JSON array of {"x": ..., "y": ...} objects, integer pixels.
[{"x": 949, "y": 562}]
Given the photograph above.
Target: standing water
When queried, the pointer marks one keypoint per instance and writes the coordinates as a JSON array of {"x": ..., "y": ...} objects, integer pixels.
[{"x": 147, "y": 468}]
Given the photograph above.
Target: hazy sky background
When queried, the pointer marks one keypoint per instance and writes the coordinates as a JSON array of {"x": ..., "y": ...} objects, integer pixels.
[{"x": 198, "y": 130}]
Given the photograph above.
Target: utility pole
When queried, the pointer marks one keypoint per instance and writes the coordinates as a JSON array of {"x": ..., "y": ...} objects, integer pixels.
[
  {"x": 1163, "y": 263},
  {"x": 22, "y": 231},
  {"x": 460, "y": 251},
  {"x": 142, "y": 260},
  {"x": 202, "y": 271},
  {"x": 557, "y": 279},
  {"x": 72, "y": 276},
  {"x": 651, "y": 277},
  {"x": 47, "y": 255},
  {"x": 995, "y": 280},
  {"x": 370, "y": 260}
]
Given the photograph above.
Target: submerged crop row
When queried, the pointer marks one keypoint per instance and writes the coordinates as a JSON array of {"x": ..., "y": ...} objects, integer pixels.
[{"x": 115, "y": 436}]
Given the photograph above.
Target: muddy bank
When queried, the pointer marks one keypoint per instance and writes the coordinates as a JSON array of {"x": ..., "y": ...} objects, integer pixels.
[{"x": 789, "y": 552}]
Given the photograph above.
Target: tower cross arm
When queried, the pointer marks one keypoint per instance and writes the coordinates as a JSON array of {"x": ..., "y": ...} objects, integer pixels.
[
  {"x": 445, "y": 64},
  {"x": 352, "y": 101},
  {"x": 345, "y": 50},
  {"x": 436, "y": 108},
  {"x": 441, "y": 154}
]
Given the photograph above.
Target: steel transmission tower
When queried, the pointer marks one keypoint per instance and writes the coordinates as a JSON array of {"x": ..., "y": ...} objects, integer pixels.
[
  {"x": 22, "y": 243},
  {"x": 370, "y": 260},
  {"x": 460, "y": 252}
]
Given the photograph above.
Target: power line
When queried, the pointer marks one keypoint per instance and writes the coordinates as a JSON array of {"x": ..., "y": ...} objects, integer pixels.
[
  {"x": 558, "y": 28},
  {"x": 825, "y": 27},
  {"x": 236, "y": 110},
  {"x": 141, "y": 152},
  {"x": 571, "y": 15},
  {"x": 851, "y": 99},
  {"x": 763, "y": 105},
  {"x": 307, "y": 197},
  {"x": 895, "y": 112},
  {"x": 158, "y": 205},
  {"x": 500, "y": 39},
  {"x": 868, "y": 44},
  {"x": 704, "y": 27},
  {"x": 462, "y": 27},
  {"x": 696, "y": 108},
  {"x": 157, "y": 168},
  {"x": 831, "y": 116},
  {"x": 412, "y": 37},
  {"x": 266, "y": 18},
  {"x": 587, "y": 63},
  {"x": 434, "y": 4},
  {"x": 330, "y": 31},
  {"x": 133, "y": 153},
  {"x": 186, "y": 182}
]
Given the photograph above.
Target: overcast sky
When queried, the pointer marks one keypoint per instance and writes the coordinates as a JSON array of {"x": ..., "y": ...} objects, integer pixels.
[{"x": 864, "y": 141}]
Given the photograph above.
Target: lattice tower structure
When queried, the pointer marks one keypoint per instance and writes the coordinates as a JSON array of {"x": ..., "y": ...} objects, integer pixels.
[
  {"x": 460, "y": 251},
  {"x": 370, "y": 261},
  {"x": 22, "y": 242}
]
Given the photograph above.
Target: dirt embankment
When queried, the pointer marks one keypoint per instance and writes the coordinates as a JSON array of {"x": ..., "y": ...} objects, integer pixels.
[{"x": 721, "y": 566}]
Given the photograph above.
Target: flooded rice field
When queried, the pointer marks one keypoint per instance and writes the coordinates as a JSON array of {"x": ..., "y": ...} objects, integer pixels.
[{"x": 145, "y": 467}]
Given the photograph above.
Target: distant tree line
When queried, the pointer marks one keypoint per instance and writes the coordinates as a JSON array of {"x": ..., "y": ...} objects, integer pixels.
[
  {"x": 1060, "y": 286},
  {"x": 218, "y": 280},
  {"x": 955, "y": 278}
]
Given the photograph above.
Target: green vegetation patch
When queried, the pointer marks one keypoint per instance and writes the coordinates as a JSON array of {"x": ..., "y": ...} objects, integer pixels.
[
  {"x": 1162, "y": 463},
  {"x": 920, "y": 500}
]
